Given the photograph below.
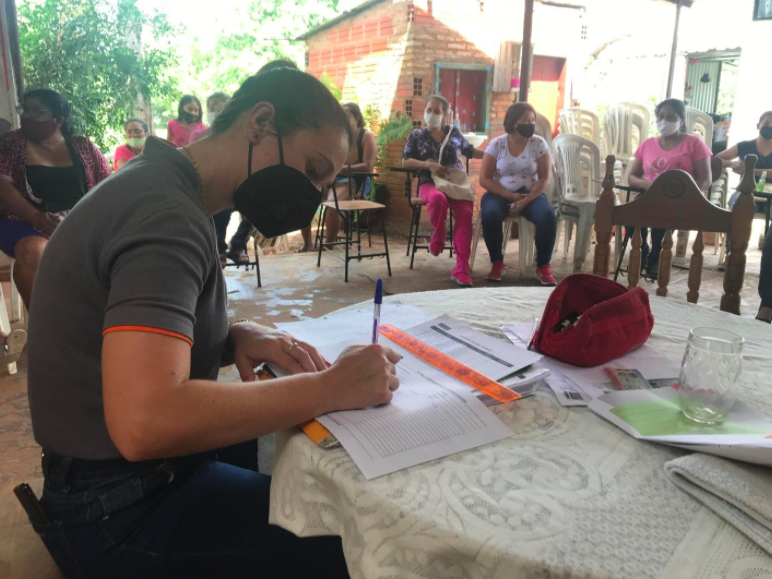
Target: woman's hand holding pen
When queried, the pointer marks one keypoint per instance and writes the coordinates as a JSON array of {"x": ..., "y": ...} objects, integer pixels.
[{"x": 362, "y": 376}]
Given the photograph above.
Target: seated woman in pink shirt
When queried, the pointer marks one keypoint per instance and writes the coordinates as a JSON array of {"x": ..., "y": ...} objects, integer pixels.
[
  {"x": 181, "y": 130},
  {"x": 136, "y": 134},
  {"x": 673, "y": 149}
]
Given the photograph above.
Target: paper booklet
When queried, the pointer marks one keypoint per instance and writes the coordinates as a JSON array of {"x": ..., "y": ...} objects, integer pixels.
[
  {"x": 576, "y": 386},
  {"x": 656, "y": 416}
]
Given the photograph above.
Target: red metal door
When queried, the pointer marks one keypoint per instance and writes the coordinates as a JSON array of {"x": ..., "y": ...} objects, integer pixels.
[{"x": 465, "y": 90}]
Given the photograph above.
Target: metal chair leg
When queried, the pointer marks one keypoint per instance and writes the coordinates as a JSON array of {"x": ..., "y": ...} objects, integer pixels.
[
  {"x": 369, "y": 233},
  {"x": 257, "y": 265},
  {"x": 385, "y": 241},
  {"x": 450, "y": 245},
  {"x": 410, "y": 235},
  {"x": 347, "y": 224},
  {"x": 321, "y": 237},
  {"x": 319, "y": 227},
  {"x": 415, "y": 235}
]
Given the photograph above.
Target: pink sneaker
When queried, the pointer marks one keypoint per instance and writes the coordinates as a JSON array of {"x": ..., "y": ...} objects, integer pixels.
[
  {"x": 544, "y": 275},
  {"x": 497, "y": 269},
  {"x": 462, "y": 279}
]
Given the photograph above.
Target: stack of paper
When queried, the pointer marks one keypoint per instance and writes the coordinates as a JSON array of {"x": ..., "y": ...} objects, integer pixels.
[
  {"x": 512, "y": 367},
  {"x": 655, "y": 415}
]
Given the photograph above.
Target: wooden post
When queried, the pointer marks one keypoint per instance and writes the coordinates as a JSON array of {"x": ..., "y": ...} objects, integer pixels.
[
  {"x": 665, "y": 262},
  {"x": 739, "y": 236},
  {"x": 604, "y": 221},
  {"x": 695, "y": 270},
  {"x": 671, "y": 72},
  {"x": 526, "y": 53},
  {"x": 634, "y": 265}
]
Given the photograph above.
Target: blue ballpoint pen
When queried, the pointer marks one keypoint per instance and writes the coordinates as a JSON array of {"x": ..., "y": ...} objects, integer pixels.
[{"x": 377, "y": 312}]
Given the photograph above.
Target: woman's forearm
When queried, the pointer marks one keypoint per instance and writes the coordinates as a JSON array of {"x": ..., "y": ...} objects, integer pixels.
[
  {"x": 496, "y": 188},
  {"x": 537, "y": 189},
  {"x": 357, "y": 168},
  {"x": 189, "y": 419},
  {"x": 415, "y": 164},
  {"x": 13, "y": 202}
]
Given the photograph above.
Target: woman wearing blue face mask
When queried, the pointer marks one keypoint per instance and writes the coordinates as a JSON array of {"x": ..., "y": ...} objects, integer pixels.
[
  {"x": 131, "y": 289},
  {"x": 673, "y": 149}
]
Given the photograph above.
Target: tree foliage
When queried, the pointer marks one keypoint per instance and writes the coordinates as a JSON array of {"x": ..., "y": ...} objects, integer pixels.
[
  {"x": 267, "y": 30},
  {"x": 92, "y": 53}
]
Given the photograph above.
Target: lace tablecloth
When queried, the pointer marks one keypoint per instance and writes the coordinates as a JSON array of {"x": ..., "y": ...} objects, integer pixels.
[{"x": 567, "y": 495}]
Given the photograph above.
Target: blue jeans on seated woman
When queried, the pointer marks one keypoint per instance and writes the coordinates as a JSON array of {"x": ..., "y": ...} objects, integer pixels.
[
  {"x": 188, "y": 518},
  {"x": 494, "y": 209}
]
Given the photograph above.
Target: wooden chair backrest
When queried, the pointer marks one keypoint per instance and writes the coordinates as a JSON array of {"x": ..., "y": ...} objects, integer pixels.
[{"x": 674, "y": 202}]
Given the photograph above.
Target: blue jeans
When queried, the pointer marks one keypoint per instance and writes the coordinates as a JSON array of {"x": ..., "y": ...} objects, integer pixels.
[
  {"x": 494, "y": 210},
  {"x": 190, "y": 517},
  {"x": 239, "y": 239}
]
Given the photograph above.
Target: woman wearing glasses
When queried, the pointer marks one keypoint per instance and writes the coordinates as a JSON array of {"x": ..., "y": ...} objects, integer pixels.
[{"x": 44, "y": 171}]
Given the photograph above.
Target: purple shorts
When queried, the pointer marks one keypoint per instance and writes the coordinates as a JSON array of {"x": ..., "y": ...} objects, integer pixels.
[{"x": 11, "y": 232}]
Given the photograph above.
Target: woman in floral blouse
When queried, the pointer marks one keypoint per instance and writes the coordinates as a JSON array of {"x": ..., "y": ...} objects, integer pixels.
[
  {"x": 422, "y": 152},
  {"x": 44, "y": 171}
]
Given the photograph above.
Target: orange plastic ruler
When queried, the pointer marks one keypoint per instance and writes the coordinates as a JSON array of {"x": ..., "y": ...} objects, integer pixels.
[{"x": 449, "y": 365}]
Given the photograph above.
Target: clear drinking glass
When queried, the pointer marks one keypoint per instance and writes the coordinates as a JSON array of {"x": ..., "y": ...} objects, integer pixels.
[{"x": 709, "y": 373}]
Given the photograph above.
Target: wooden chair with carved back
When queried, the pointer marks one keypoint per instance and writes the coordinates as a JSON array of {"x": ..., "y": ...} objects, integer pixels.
[{"x": 674, "y": 202}]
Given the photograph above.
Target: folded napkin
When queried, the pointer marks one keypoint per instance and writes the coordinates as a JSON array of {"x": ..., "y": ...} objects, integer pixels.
[{"x": 740, "y": 493}]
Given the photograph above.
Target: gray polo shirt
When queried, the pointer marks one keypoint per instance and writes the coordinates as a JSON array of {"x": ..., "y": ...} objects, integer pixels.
[{"x": 136, "y": 252}]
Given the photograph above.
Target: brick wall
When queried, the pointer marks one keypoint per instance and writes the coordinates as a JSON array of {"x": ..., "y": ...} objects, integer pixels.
[{"x": 375, "y": 57}]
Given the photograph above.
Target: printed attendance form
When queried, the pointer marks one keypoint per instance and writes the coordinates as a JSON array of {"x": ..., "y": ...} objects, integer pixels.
[{"x": 432, "y": 415}]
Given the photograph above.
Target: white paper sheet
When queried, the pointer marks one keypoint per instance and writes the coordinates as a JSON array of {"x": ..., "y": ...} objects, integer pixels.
[
  {"x": 594, "y": 381},
  {"x": 565, "y": 390},
  {"x": 432, "y": 415},
  {"x": 353, "y": 325},
  {"x": 488, "y": 356},
  {"x": 654, "y": 415}
]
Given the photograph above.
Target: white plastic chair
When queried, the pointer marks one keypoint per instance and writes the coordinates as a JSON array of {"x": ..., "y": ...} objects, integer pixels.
[
  {"x": 577, "y": 161},
  {"x": 625, "y": 127},
  {"x": 17, "y": 306},
  {"x": 701, "y": 124},
  {"x": 580, "y": 122}
]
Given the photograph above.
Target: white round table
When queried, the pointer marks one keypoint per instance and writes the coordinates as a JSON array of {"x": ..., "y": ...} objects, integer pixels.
[{"x": 567, "y": 495}]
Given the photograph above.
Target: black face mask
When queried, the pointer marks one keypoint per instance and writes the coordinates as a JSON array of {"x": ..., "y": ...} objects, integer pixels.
[
  {"x": 189, "y": 118},
  {"x": 277, "y": 199},
  {"x": 766, "y": 132},
  {"x": 526, "y": 130}
]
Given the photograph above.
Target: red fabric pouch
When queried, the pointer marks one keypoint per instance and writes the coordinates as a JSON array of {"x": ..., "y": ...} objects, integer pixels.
[{"x": 614, "y": 321}]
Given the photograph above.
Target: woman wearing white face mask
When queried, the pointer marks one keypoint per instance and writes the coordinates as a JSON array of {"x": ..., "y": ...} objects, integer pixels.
[
  {"x": 136, "y": 135},
  {"x": 422, "y": 152},
  {"x": 673, "y": 149}
]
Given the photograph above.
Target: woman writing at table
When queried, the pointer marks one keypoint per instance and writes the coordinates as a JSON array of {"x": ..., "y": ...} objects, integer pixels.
[
  {"x": 515, "y": 171},
  {"x": 673, "y": 149},
  {"x": 128, "y": 334},
  {"x": 361, "y": 159},
  {"x": 422, "y": 152}
]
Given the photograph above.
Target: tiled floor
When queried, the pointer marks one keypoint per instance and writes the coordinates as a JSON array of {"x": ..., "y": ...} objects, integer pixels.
[{"x": 293, "y": 289}]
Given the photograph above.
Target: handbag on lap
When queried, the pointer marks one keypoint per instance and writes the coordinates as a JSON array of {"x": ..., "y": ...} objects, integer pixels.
[
  {"x": 455, "y": 183},
  {"x": 591, "y": 320}
]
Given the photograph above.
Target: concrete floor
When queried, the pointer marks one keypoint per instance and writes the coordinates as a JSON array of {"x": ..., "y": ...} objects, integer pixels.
[{"x": 293, "y": 289}]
